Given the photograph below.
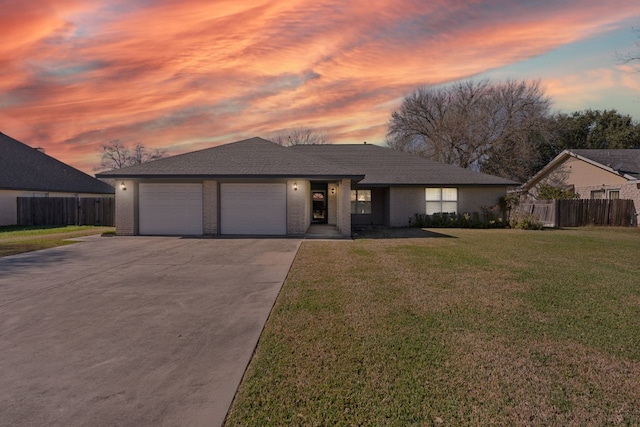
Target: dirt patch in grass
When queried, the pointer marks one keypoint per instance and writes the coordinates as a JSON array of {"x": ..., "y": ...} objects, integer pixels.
[{"x": 503, "y": 327}]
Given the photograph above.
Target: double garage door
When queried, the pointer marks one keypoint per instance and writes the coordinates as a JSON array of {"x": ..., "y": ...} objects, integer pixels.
[{"x": 177, "y": 209}]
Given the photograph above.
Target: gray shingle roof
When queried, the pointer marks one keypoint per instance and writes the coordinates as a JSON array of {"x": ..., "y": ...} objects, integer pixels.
[
  {"x": 255, "y": 158},
  {"x": 385, "y": 166},
  {"x": 623, "y": 161},
  {"x": 25, "y": 168}
]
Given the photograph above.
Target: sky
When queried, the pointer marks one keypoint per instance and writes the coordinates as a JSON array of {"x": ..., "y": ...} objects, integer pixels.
[{"x": 184, "y": 75}]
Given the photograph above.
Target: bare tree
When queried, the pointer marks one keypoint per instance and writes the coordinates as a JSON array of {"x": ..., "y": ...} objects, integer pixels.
[
  {"x": 475, "y": 124},
  {"x": 301, "y": 136},
  {"x": 630, "y": 57},
  {"x": 116, "y": 155}
]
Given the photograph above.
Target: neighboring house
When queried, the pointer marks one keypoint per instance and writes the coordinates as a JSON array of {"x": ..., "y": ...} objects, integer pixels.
[
  {"x": 28, "y": 172},
  {"x": 256, "y": 187},
  {"x": 591, "y": 174}
]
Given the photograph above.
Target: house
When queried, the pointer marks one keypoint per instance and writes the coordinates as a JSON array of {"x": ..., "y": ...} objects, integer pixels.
[
  {"x": 591, "y": 174},
  {"x": 256, "y": 187},
  {"x": 28, "y": 172}
]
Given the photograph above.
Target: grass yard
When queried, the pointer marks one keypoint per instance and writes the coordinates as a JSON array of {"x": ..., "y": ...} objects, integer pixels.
[
  {"x": 477, "y": 327},
  {"x": 16, "y": 240}
]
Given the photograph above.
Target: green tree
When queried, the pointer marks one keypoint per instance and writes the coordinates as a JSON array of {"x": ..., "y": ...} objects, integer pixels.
[{"x": 593, "y": 129}]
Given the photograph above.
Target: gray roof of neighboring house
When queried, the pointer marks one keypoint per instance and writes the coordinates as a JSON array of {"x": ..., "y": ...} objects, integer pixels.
[
  {"x": 251, "y": 158},
  {"x": 28, "y": 169},
  {"x": 385, "y": 166},
  {"x": 622, "y": 161}
]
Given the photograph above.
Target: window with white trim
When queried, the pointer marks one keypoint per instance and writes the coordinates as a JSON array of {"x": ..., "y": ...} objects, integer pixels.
[
  {"x": 360, "y": 201},
  {"x": 441, "y": 200}
]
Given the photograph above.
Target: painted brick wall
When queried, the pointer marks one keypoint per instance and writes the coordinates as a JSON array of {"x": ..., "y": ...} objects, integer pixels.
[
  {"x": 473, "y": 199},
  {"x": 344, "y": 207},
  {"x": 210, "y": 208},
  {"x": 298, "y": 215},
  {"x": 404, "y": 203},
  {"x": 332, "y": 200},
  {"x": 126, "y": 208}
]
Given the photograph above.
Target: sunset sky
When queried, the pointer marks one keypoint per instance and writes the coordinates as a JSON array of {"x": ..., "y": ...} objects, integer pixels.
[{"x": 189, "y": 74}]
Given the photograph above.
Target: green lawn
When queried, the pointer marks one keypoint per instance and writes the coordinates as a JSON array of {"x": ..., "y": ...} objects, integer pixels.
[
  {"x": 15, "y": 239},
  {"x": 483, "y": 327}
]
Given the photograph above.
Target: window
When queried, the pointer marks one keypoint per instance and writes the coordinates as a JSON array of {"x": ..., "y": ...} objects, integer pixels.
[
  {"x": 360, "y": 201},
  {"x": 614, "y": 194},
  {"x": 597, "y": 194},
  {"x": 441, "y": 200}
]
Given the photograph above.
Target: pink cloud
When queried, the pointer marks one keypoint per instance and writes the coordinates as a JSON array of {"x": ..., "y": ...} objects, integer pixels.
[{"x": 184, "y": 74}]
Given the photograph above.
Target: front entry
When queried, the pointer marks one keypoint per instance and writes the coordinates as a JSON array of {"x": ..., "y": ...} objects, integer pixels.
[{"x": 319, "y": 206}]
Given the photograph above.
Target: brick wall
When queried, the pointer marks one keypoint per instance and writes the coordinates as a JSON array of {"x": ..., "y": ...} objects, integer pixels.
[
  {"x": 404, "y": 203},
  {"x": 343, "y": 206},
  {"x": 298, "y": 214},
  {"x": 473, "y": 199},
  {"x": 210, "y": 208},
  {"x": 126, "y": 208}
]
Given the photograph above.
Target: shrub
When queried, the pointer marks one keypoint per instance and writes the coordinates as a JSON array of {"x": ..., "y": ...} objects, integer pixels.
[
  {"x": 488, "y": 219},
  {"x": 525, "y": 222}
]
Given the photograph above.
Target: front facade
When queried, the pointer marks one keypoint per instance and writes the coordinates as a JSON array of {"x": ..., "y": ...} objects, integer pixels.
[
  {"x": 219, "y": 207},
  {"x": 255, "y": 187},
  {"x": 29, "y": 172},
  {"x": 591, "y": 174}
]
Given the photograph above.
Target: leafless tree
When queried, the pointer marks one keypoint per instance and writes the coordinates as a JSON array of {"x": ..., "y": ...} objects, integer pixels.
[
  {"x": 301, "y": 136},
  {"x": 631, "y": 57},
  {"x": 116, "y": 155},
  {"x": 494, "y": 127}
]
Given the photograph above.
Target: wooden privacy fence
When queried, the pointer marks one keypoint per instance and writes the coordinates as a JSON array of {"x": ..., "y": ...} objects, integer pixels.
[
  {"x": 66, "y": 211},
  {"x": 581, "y": 212}
]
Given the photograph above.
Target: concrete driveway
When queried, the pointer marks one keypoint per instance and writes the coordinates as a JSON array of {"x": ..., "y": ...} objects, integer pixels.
[{"x": 133, "y": 330}]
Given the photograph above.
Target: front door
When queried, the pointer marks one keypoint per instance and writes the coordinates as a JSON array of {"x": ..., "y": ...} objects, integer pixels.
[{"x": 319, "y": 205}]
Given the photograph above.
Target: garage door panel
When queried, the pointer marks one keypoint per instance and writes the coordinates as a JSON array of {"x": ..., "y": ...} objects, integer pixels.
[
  {"x": 259, "y": 209},
  {"x": 170, "y": 209}
]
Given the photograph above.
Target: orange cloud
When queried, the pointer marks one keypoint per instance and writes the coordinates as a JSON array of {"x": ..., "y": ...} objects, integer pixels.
[{"x": 191, "y": 73}]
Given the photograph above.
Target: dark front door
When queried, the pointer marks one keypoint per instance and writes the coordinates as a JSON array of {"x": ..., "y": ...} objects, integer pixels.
[{"x": 319, "y": 205}]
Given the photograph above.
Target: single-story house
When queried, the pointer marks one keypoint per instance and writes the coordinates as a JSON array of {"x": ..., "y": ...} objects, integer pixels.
[
  {"x": 29, "y": 172},
  {"x": 256, "y": 187},
  {"x": 591, "y": 174}
]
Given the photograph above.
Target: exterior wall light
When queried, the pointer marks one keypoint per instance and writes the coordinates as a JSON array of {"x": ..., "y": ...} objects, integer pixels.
[
  {"x": 123, "y": 187},
  {"x": 295, "y": 186},
  {"x": 333, "y": 190}
]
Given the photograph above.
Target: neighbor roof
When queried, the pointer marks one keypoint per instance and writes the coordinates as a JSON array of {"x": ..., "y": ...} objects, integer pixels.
[
  {"x": 385, "y": 166},
  {"x": 28, "y": 169},
  {"x": 251, "y": 158},
  {"x": 623, "y": 162}
]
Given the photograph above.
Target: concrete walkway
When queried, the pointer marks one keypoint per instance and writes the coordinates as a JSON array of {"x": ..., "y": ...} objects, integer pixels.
[{"x": 133, "y": 331}]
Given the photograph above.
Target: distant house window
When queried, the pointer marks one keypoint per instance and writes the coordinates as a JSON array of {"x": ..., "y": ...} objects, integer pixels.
[
  {"x": 360, "y": 201},
  {"x": 614, "y": 195},
  {"x": 441, "y": 200},
  {"x": 597, "y": 194}
]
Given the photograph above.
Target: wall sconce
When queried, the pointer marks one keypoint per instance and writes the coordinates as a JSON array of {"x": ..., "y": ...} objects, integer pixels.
[
  {"x": 295, "y": 186},
  {"x": 333, "y": 190},
  {"x": 123, "y": 187}
]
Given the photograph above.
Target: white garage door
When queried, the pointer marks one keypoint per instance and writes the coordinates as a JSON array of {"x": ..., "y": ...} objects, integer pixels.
[
  {"x": 253, "y": 209},
  {"x": 172, "y": 209}
]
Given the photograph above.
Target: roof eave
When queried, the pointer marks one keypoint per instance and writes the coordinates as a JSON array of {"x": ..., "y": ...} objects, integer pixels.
[{"x": 230, "y": 176}]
